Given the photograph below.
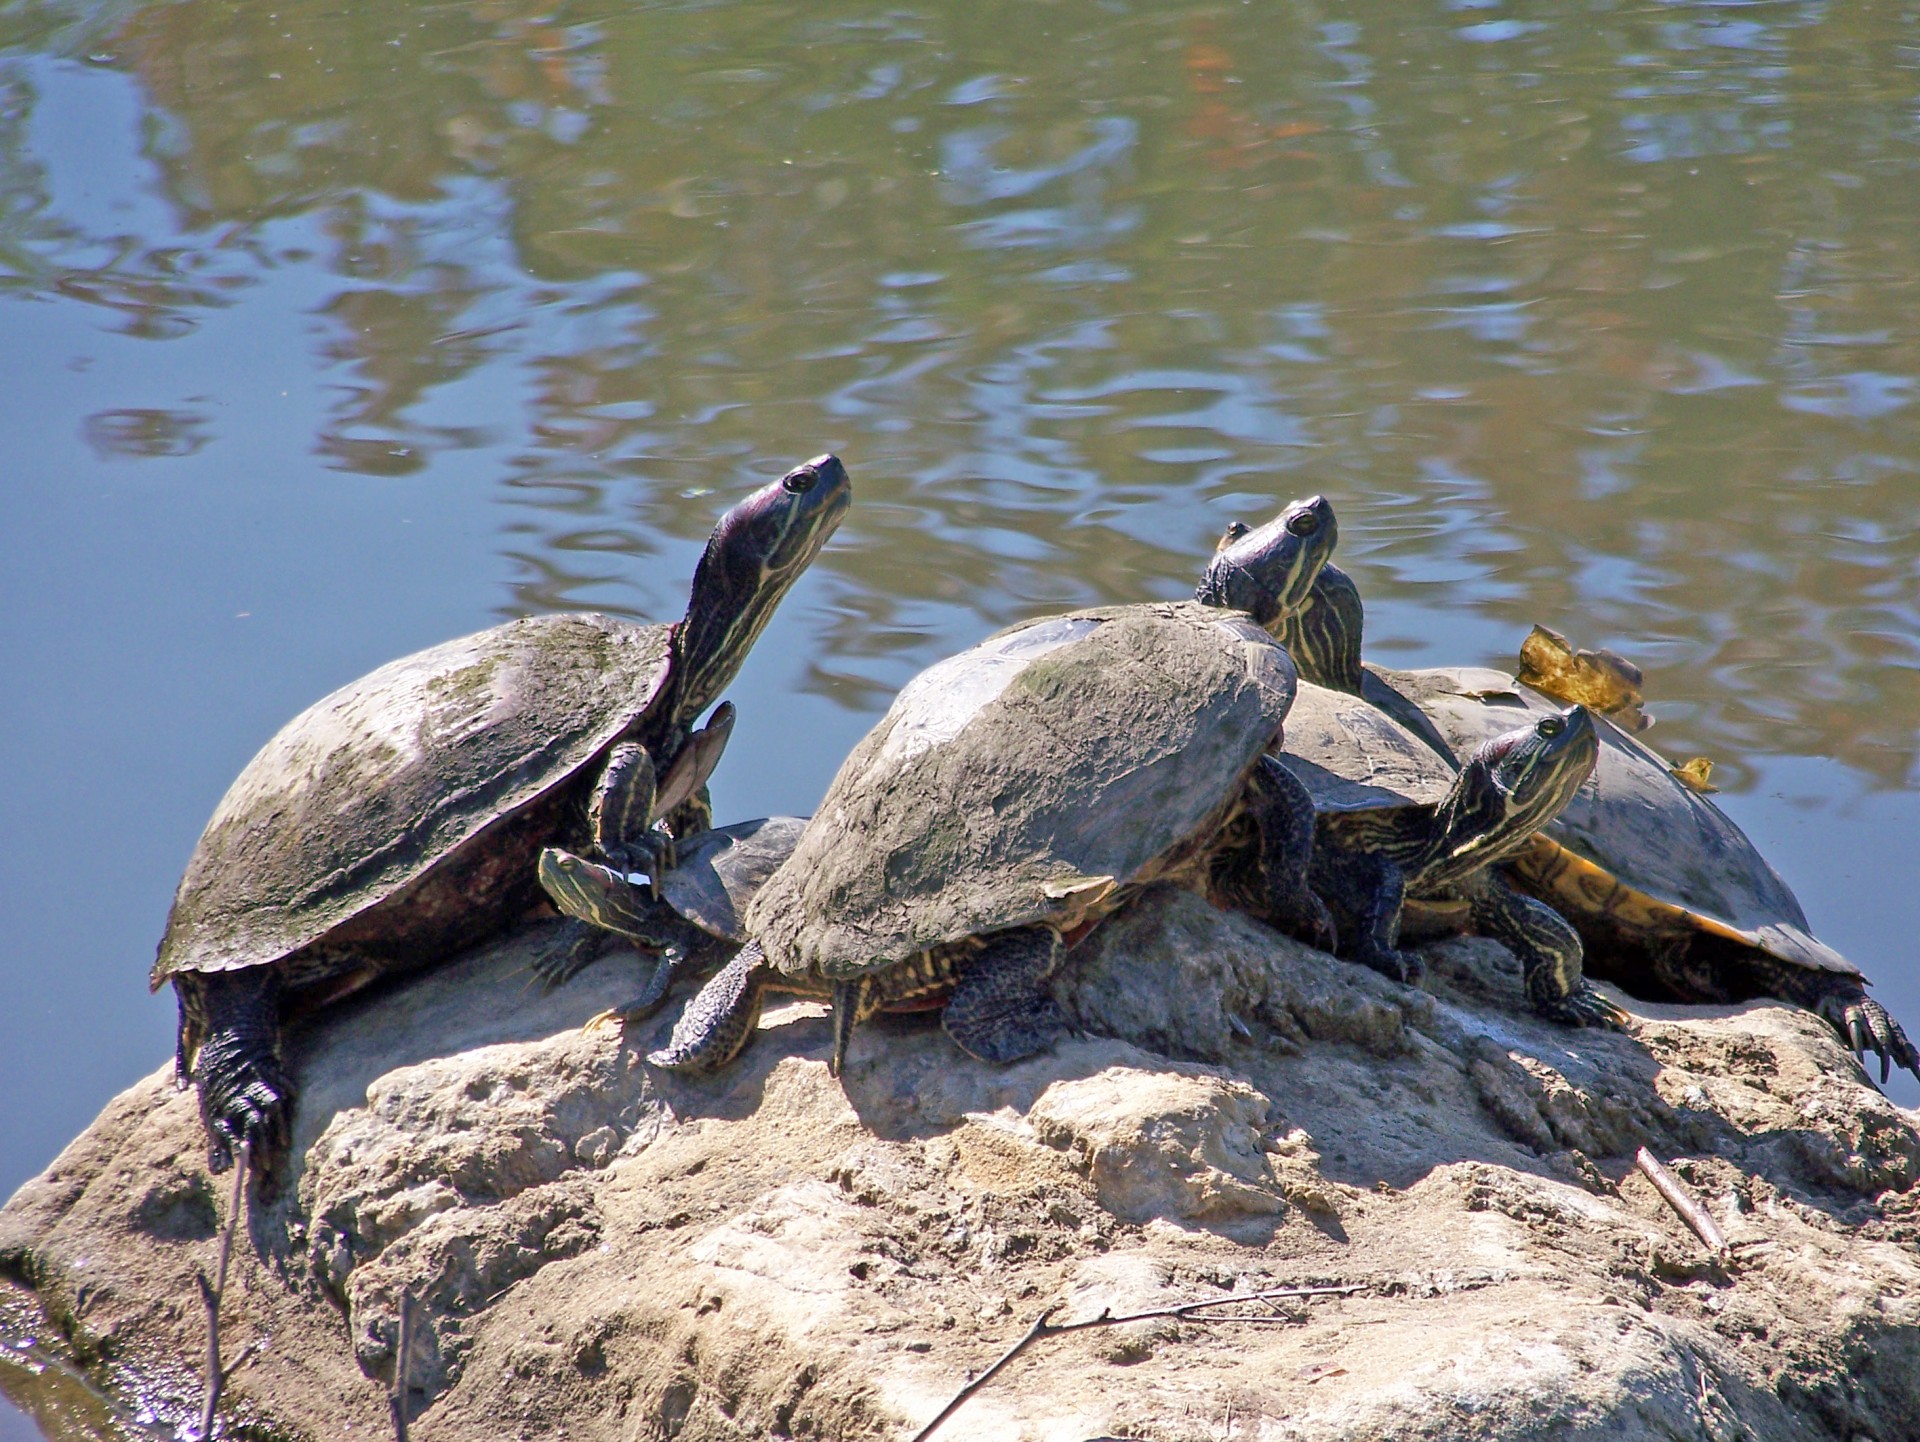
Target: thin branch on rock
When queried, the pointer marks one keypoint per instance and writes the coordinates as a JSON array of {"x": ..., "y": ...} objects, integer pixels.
[
  {"x": 1184, "y": 1311},
  {"x": 1675, "y": 1191},
  {"x": 397, "y": 1403},
  {"x": 212, "y": 1292}
]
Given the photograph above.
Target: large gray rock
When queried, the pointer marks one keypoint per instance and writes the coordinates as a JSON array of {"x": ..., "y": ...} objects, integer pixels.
[{"x": 600, "y": 1251}]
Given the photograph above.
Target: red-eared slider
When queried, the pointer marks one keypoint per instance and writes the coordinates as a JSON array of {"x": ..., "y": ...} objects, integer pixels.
[
  {"x": 397, "y": 820},
  {"x": 1395, "y": 824},
  {"x": 1670, "y": 897},
  {"x": 694, "y": 913},
  {"x": 1021, "y": 790}
]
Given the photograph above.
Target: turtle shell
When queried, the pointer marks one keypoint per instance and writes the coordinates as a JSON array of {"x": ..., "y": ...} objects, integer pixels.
[
  {"x": 717, "y": 873},
  {"x": 1028, "y": 780},
  {"x": 1648, "y": 852},
  {"x": 1352, "y": 757},
  {"x": 442, "y": 766}
]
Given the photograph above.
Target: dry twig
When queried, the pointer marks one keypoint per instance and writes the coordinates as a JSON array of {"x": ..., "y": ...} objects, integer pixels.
[
  {"x": 1185, "y": 1311},
  {"x": 212, "y": 1292},
  {"x": 397, "y": 1403},
  {"x": 1675, "y": 1191}
]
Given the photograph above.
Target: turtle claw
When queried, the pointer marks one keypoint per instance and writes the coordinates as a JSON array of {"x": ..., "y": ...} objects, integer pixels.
[
  {"x": 576, "y": 948},
  {"x": 1392, "y": 962},
  {"x": 1865, "y": 1026},
  {"x": 651, "y": 996},
  {"x": 248, "y": 1108}
]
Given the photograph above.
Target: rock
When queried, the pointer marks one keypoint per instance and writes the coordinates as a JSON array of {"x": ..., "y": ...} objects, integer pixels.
[{"x": 596, "y": 1250}]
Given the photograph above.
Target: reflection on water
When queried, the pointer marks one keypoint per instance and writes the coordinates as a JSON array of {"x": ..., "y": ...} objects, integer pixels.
[{"x": 1602, "y": 316}]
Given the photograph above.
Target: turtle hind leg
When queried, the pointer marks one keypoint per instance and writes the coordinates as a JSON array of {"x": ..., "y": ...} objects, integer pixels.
[
  {"x": 245, "y": 1092},
  {"x": 1000, "y": 1010},
  {"x": 1551, "y": 957},
  {"x": 1864, "y": 1025},
  {"x": 719, "y": 1021}
]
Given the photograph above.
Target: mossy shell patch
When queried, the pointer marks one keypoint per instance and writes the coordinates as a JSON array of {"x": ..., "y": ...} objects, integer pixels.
[
  {"x": 1026, "y": 780},
  {"x": 1651, "y": 853},
  {"x": 371, "y": 787}
]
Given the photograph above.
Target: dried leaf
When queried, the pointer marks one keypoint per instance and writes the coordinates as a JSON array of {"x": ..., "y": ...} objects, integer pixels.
[
  {"x": 1603, "y": 680},
  {"x": 1695, "y": 775}
]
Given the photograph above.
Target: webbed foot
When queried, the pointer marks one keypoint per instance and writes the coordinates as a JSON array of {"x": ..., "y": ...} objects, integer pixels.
[
  {"x": 576, "y": 945},
  {"x": 1865, "y": 1026},
  {"x": 659, "y": 982},
  {"x": 1585, "y": 1007},
  {"x": 243, "y": 1099},
  {"x": 1393, "y": 962}
]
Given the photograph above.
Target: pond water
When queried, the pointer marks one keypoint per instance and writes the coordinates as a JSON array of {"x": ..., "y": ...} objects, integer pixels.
[{"x": 338, "y": 331}]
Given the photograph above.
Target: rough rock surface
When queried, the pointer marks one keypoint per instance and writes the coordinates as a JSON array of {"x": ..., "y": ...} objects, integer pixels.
[{"x": 600, "y": 1251}]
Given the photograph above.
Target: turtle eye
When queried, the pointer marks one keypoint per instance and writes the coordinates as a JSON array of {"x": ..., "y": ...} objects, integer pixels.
[
  {"x": 1552, "y": 726},
  {"x": 1303, "y": 523},
  {"x": 799, "y": 480}
]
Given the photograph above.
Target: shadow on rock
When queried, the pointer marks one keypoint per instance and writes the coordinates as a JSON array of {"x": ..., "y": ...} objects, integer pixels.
[{"x": 595, "y": 1249}]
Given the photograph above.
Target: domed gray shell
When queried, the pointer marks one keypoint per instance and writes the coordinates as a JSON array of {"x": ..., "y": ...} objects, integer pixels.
[
  {"x": 1636, "y": 821},
  {"x": 1026, "y": 779},
  {"x": 717, "y": 873},
  {"x": 1352, "y": 757},
  {"x": 371, "y": 787}
]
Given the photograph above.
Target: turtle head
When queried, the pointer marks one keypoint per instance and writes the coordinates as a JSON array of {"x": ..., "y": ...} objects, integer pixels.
[
  {"x": 594, "y": 893},
  {"x": 1518, "y": 782},
  {"x": 755, "y": 554},
  {"x": 1324, "y": 635},
  {"x": 1269, "y": 571}
]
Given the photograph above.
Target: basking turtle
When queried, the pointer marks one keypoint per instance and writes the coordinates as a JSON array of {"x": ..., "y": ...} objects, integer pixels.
[
  {"x": 693, "y": 914},
  {"x": 398, "y": 819},
  {"x": 1396, "y": 824},
  {"x": 1668, "y": 894},
  {"x": 1014, "y": 794},
  {"x": 1670, "y": 897}
]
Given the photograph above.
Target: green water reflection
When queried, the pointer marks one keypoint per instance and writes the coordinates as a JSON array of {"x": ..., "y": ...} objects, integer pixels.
[
  {"x": 1603, "y": 313},
  {"x": 1599, "y": 314}
]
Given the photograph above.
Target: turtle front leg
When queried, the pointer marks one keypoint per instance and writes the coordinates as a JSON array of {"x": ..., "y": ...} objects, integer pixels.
[
  {"x": 1282, "y": 816},
  {"x": 1365, "y": 891},
  {"x": 719, "y": 1021},
  {"x": 1551, "y": 957},
  {"x": 245, "y": 1092},
  {"x": 1001, "y": 1010}
]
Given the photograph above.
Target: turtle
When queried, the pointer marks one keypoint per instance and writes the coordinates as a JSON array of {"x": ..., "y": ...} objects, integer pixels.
[
  {"x": 398, "y": 819},
  {"x": 1016, "y": 793},
  {"x": 693, "y": 913},
  {"x": 1670, "y": 897},
  {"x": 1672, "y": 900},
  {"x": 1397, "y": 824}
]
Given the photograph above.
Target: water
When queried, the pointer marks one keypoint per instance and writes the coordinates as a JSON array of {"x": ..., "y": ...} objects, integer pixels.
[{"x": 336, "y": 332}]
